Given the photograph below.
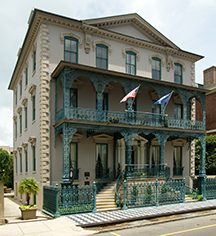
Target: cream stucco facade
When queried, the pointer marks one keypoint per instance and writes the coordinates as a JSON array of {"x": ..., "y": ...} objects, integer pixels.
[{"x": 40, "y": 94}]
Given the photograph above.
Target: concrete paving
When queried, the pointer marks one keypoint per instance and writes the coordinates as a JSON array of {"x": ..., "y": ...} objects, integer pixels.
[
  {"x": 43, "y": 225},
  {"x": 71, "y": 225}
]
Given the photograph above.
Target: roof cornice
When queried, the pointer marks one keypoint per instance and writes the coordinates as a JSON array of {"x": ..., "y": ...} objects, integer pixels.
[{"x": 38, "y": 17}]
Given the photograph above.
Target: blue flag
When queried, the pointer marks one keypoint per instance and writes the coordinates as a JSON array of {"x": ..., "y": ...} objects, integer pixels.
[{"x": 164, "y": 99}]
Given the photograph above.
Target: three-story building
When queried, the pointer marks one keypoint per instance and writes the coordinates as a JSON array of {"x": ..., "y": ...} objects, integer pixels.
[{"x": 68, "y": 123}]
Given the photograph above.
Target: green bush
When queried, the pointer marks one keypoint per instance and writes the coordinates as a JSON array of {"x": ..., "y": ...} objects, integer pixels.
[{"x": 200, "y": 197}]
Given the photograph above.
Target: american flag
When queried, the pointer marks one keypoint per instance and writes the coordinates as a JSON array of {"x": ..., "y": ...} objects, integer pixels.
[{"x": 132, "y": 94}]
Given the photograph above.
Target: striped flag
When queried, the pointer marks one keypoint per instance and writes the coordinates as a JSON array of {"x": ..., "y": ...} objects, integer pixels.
[{"x": 132, "y": 94}]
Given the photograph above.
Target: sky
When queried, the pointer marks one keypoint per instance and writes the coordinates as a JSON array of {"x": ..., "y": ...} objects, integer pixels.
[{"x": 190, "y": 24}]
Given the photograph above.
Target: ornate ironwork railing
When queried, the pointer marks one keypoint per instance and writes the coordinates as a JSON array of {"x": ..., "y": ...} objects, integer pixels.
[
  {"x": 69, "y": 199},
  {"x": 154, "y": 193},
  {"x": 191, "y": 192},
  {"x": 135, "y": 118},
  {"x": 210, "y": 192},
  {"x": 50, "y": 200},
  {"x": 146, "y": 170},
  {"x": 105, "y": 180},
  {"x": 178, "y": 171},
  {"x": 119, "y": 183}
]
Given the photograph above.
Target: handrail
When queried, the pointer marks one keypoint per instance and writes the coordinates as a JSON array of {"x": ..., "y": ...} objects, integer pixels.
[
  {"x": 133, "y": 117},
  {"x": 119, "y": 182},
  {"x": 105, "y": 180},
  {"x": 188, "y": 189}
]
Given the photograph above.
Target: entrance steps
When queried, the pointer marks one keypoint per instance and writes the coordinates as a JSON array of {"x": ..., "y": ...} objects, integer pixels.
[
  {"x": 190, "y": 199},
  {"x": 105, "y": 199}
]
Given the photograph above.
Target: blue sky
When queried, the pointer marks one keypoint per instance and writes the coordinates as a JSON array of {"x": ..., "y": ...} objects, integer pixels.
[{"x": 190, "y": 24}]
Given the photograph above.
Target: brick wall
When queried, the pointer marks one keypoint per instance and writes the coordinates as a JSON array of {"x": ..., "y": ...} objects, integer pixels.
[
  {"x": 211, "y": 111},
  {"x": 198, "y": 111},
  {"x": 209, "y": 76}
]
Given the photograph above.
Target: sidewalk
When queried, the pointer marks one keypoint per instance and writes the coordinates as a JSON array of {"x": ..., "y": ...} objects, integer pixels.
[
  {"x": 70, "y": 225},
  {"x": 120, "y": 216},
  {"x": 43, "y": 225}
]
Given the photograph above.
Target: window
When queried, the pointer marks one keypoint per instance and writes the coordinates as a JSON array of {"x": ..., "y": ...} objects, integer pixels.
[
  {"x": 178, "y": 73},
  {"x": 155, "y": 155},
  {"x": 177, "y": 161},
  {"x": 15, "y": 129},
  {"x": 104, "y": 102},
  {"x": 178, "y": 111},
  {"x": 20, "y": 162},
  {"x": 73, "y": 97},
  {"x": 16, "y": 163},
  {"x": 16, "y": 98},
  {"x": 26, "y": 76},
  {"x": 73, "y": 158},
  {"x": 33, "y": 108},
  {"x": 134, "y": 105},
  {"x": 20, "y": 124},
  {"x": 101, "y": 160},
  {"x": 34, "y": 60},
  {"x": 156, "y": 110},
  {"x": 20, "y": 87},
  {"x": 26, "y": 118},
  {"x": 102, "y": 56},
  {"x": 26, "y": 161},
  {"x": 130, "y": 63},
  {"x": 33, "y": 158},
  {"x": 156, "y": 68},
  {"x": 71, "y": 49}
]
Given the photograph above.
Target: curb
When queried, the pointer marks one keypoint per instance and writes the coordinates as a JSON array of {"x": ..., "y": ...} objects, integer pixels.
[{"x": 153, "y": 223}]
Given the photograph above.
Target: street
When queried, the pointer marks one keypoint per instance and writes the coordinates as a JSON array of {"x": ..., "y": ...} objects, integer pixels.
[{"x": 205, "y": 225}]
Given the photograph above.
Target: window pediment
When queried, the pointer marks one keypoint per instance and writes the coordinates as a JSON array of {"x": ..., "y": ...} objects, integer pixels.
[
  {"x": 94, "y": 43},
  {"x": 180, "y": 63},
  {"x": 25, "y": 145},
  {"x": 32, "y": 140},
  {"x": 32, "y": 89},
  {"x": 157, "y": 56},
  {"x": 124, "y": 50},
  {"x": 102, "y": 137},
  {"x": 72, "y": 35},
  {"x": 19, "y": 110},
  {"x": 77, "y": 137},
  {"x": 179, "y": 142},
  {"x": 24, "y": 101}
]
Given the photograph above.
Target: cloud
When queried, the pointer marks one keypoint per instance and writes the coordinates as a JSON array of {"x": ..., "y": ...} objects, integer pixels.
[{"x": 6, "y": 125}]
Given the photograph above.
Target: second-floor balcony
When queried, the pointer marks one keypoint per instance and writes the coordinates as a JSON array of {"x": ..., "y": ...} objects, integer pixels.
[{"x": 127, "y": 117}]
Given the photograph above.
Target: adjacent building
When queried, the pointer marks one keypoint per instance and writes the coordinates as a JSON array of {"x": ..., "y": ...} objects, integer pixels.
[{"x": 67, "y": 83}]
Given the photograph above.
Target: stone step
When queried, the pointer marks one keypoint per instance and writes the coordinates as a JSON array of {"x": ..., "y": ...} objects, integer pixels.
[
  {"x": 106, "y": 206},
  {"x": 108, "y": 209}
]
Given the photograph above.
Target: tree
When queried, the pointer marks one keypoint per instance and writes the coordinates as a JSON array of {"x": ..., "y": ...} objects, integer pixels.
[
  {"x": 210, "y": 155},
  {"x": 5, "y": 162},
  {"x": 29, "y": 186}
]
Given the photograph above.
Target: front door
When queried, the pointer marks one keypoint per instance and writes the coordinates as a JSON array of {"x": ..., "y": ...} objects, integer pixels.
[{"x": 101, "y": 160}]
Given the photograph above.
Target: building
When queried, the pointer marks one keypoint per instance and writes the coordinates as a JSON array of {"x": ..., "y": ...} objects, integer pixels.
[
  {"x": 67, "y": 83},
  {"x": 209, "y": 77}
]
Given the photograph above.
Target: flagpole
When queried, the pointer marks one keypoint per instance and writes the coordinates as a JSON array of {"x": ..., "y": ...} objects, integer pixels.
[
  {"x": 135, "y": 96},
  {"x": 168, "y": 101}
]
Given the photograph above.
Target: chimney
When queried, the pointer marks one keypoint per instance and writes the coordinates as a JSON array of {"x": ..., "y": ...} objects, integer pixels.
[{"x": 209, "y": 76}]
